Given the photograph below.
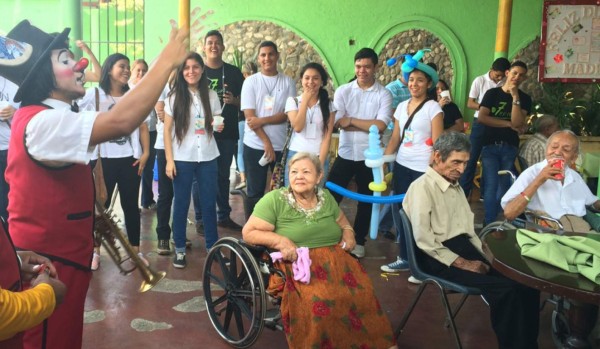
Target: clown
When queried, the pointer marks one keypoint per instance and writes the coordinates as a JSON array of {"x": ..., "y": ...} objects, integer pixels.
[{"x": 51, "y": 201}]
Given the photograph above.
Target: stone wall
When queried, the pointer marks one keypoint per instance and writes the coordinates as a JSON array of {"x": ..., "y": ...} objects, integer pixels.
[
  {"x": 295, "y": 51},
  {"x": 409, "y": 42}
]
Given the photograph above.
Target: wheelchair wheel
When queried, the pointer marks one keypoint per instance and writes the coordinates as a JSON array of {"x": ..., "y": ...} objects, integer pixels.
[
  {"x": 560, "y": 329},
  {"x": 495, "y": 226},
  {"x": 234, "y": 293}
]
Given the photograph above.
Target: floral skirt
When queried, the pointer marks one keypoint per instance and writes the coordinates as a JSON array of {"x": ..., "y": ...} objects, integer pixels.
[{"x": 337, "y": 309}]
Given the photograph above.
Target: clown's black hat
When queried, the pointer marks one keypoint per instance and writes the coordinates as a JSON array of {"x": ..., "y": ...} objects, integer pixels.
[{"x": 23, "y": 50}]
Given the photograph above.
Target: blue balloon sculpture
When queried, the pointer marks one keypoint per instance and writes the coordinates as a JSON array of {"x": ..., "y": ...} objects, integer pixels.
[{"x": 374, "y": 160}]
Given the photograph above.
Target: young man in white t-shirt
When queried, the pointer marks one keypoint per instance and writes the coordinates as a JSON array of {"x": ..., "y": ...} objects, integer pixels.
[
  {"x": 359, "y": 104},
  {"x": 263, "y": 102}
]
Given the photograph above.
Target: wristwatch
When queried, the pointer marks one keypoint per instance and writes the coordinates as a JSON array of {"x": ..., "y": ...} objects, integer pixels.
[{"x": 517, "y": 102}]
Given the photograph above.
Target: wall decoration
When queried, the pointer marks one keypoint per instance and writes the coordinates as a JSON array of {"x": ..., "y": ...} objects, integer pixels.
[{"x": 570, "y": 47}]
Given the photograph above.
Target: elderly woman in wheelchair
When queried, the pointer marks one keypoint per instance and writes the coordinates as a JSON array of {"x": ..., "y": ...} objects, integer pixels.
[
  {"x": 320, "y": 295},
  {"x": 327, "y": 298},
  {"x": 553, "y": 188}
]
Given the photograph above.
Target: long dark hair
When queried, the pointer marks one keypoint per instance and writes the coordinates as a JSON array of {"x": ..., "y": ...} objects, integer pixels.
[
  {"x": 183, "y": 99},
  {"x": 323, "y": 94},
  {"x": 107, "y": 66}
]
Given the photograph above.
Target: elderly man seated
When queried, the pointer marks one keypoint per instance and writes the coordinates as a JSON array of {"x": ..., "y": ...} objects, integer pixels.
[
  {"x": 552, "y": 187},
  {"x": 449, "y": 248}
]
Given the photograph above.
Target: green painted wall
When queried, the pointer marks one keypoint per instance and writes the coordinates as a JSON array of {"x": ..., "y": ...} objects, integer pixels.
[{"x": 467, "y": 27}]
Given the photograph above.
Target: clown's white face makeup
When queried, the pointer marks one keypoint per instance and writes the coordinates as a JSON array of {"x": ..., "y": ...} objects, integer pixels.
[{"x": 69, "y": 83}]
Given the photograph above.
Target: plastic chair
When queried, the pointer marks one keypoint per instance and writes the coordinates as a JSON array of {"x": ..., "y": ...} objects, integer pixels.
[{"x": 444, "y": 286}]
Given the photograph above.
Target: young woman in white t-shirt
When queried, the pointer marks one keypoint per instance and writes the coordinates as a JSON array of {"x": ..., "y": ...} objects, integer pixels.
[
  {"x": 312, "y": 116},
  {"x": 191, "y": 149},
  {"x": 123, "y": 159},
  {"x": 414, "y": 150}
]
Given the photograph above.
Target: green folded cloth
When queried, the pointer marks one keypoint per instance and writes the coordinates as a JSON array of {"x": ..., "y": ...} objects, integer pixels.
[{"x": 575, "y": 254}]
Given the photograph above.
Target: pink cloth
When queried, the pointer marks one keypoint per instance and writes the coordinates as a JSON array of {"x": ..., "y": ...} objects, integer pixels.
[{"x": 300, "y": 267}]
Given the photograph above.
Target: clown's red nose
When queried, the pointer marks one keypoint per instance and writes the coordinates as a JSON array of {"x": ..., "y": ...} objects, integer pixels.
[{"x": 81, "y": 65}]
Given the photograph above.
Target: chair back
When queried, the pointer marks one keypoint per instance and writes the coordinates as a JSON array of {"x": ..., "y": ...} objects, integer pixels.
[{"x": 400, "y": 217}]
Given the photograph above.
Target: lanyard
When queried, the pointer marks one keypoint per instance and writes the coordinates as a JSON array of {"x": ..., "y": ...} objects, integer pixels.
[{"x": 267, "y": 87}]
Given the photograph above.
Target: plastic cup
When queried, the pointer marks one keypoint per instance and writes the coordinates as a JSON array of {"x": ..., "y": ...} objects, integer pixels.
[
  {"x": 217, "y": 120},
  {"x": 445, "y": 94},
  {"x": 264, "y": 161},
  {"x": 559, "y": 163}
]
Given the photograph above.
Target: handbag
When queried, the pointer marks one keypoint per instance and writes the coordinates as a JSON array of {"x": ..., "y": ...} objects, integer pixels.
[
  {"x": 278, "y": 175},
  {"x": 99, "y": 184}
]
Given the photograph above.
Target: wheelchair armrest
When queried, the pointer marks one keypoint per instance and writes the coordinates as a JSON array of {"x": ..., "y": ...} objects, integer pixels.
[
  {"x": 547, "y": 218},
  {"x": 256, "y": 250}
]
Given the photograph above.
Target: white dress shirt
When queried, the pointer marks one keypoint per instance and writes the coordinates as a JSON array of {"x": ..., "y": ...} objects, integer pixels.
[
  {"x": 374, "y": 103},
  {"x": 553, "y": 197}
]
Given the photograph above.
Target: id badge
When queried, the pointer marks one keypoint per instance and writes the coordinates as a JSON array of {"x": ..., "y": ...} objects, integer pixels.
[
  {"x": 311, "y": 131},
  {"x": 269, "y": 103},
  {"x": 199, "y": 125},
  {"x": 409, "y": 137}
]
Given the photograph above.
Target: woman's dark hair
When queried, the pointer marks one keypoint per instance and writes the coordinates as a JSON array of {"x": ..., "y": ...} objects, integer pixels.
[
  {"x": 323, "y": 94},
  {"x": 443, "y": 82},
  {"x": 107, "y": 66},
  {"x": 183, "y": 99},
  {"x": 41, "y": 87}
]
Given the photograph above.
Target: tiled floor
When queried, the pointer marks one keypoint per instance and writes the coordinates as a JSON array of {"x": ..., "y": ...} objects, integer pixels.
[{"x": 172, "y": 314}]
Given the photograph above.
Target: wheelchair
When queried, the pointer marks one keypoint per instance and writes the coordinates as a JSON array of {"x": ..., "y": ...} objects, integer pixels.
[
  {"x": 235, "y": 278},
  {"x": 560, "y": 324}
]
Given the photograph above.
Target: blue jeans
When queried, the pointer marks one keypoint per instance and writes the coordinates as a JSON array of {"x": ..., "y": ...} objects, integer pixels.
[
  {"x": 240, "y": 153},
  {"x": 226, "y": 151},
  {"x": 403, "y": 177},
  {"x": 476, "y": 138},
  {"x": 3, "y": 185},
  {"x": 496, "y": 157},
  {"x": 205, "y": 173},
  {"x": 286, "y": 176}
]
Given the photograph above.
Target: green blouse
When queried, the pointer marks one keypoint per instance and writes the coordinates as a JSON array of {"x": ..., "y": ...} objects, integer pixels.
[{"x": 306, "y": 228}]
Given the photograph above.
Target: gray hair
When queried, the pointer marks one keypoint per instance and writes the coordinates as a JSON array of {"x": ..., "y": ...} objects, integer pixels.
[
  {"x": 546, "y": 121},
  {"x": 452, "y": 141},
  {"x": 305, "y": 155},
  {"x": 570, "y": 133}
]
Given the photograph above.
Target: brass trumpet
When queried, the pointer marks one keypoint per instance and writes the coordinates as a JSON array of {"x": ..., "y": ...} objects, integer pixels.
[{"x": 107, "y": 231}]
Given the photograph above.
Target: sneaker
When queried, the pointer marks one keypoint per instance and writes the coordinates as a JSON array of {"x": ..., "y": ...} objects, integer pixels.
[
  {"x": 179, "y": 261},
  {"x": 143, "y": 259},
  {"x": 414, "y": 280},
  {"x": 358, "y": 251},
  {"x": 95, "y": 261},
  {"x": 242, "y": 185},
  {"x": 230, "y": 224},
  {"x": 399, "y": 265},
  {"x": 164, "y": 247}
]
